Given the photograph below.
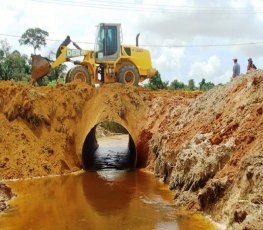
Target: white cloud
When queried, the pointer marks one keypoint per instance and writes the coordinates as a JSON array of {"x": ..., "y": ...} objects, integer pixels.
[
  {"x": 210, "y": 70},
  {"x": 169, "y": 62},
  {"x": 190, "y": 22}
]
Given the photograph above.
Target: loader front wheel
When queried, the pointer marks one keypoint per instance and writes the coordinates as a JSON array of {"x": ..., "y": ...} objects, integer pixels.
[
  {"x": 78, "y": 74},
  {"x": 129, "y": 75}
]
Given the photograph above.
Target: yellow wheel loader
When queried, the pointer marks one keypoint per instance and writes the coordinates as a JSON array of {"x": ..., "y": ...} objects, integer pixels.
[{"x": 109, "y": 62}]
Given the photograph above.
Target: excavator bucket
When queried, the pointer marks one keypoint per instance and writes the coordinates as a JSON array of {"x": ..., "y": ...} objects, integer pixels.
[{"x": 40, "y": 67}]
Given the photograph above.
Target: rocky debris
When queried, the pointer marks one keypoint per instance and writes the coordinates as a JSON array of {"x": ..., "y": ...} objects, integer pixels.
[
  {"x": 211, "y": 152},
  {"x": 212, "y": 192},
  {"x": 246, "y": 207},
  {"x": 195, "y": 156},
  {"x": 5, "y": 195}
]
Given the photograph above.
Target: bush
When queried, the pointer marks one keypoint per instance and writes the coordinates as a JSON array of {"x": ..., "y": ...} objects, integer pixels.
[{"x": 113, "y": 127}]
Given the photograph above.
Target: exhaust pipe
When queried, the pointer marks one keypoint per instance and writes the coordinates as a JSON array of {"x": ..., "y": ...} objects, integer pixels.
[{"x": 137, "y": 39}]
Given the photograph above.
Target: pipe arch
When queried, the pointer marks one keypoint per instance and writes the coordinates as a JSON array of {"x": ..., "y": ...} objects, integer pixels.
[{"x": 91, "y": 145}]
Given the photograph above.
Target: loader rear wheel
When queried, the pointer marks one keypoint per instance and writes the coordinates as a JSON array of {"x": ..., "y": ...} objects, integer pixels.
[
  {"x": 129, "y": 75},
  {"x": 67, "y": 80},
  {"x": 78, "y": 74}
]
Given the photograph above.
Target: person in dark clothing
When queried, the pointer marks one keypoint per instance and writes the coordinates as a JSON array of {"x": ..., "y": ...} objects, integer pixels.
[
  {"x": 250, "y": 65},
  {"x": 236, "y": 68}
]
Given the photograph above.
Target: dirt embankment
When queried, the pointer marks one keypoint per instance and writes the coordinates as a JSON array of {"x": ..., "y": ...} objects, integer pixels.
[
  {"x": 211, "y": 154},
  {"x": 207, "y": 147},
  {"x": 42, "y": 128},
  {"x": 36, "y": 132}
]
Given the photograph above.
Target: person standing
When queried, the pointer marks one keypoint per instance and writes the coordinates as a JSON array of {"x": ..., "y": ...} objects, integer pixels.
[
  {"x": 250, "y": 65},
  {"x": 236, "y": 68}
]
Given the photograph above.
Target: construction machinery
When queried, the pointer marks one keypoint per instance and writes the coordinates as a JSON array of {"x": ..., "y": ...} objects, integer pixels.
[{"x": 109, "y": 62}]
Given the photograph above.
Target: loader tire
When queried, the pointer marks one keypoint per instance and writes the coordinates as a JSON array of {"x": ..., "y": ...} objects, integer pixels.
[
  {"x": 129, "y": 75},
  {"x": 67, "y": 80},
  {"x": 78, "y": 74}
]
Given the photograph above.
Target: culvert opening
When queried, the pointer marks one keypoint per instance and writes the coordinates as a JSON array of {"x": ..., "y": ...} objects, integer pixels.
[{"x": 108, "y": 145}]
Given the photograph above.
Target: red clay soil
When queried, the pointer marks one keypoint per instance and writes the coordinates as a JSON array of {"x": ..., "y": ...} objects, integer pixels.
[
  {"x": 211, "y": 153},
  {"x": 208, "y": 147}
]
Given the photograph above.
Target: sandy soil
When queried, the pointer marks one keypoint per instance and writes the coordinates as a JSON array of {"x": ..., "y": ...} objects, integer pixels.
[
  {"x": 208, "y": 147},
  {"x": 211, "y": 153}
]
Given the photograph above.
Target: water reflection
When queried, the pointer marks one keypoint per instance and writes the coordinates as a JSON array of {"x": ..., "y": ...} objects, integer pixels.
[
  {"x": 103, "y": 189},
  {"x": 107, "y": 199}
]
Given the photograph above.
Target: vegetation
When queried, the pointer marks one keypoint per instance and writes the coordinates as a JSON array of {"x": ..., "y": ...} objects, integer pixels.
[
  {"x": 35, "y": 37},
  {"x": 156, "y": 83},
  {"x": 204, "y": 86},
  {"x": 113, "y": 127},
  {"x": 55, "y": 76},
  {"x": 15, "y": 66}
]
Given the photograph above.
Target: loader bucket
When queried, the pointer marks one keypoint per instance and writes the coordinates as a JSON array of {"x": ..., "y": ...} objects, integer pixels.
[{"x": 40, "y": 67}]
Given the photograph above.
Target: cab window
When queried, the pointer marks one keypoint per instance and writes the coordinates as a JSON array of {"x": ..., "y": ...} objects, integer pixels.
[{"x": 106, "y": 42}]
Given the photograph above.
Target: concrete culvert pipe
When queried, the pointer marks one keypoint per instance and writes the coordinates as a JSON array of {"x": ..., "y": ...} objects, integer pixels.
[{"x": 117, "y": 150}]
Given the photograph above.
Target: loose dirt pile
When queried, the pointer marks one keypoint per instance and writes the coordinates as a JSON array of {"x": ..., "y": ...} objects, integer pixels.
[
  {"x": 211, "y": 154},
  {"x": 35, "y": 135},
  {"x": 207, "y": 147}
]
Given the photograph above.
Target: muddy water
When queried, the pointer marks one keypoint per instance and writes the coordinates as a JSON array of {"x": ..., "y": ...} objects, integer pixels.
[
  {"x": 105, "y": 199},
  {"x": 113, "y": 153}
]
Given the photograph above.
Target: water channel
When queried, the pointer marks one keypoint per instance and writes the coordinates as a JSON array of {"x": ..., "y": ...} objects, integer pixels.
[{"x": 109, "y": 198}]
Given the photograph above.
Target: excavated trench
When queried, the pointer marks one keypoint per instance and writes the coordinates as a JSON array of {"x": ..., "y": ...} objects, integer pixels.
[
  {"x": 182, "y": 137},
  {"x": 118, "y": 153}
]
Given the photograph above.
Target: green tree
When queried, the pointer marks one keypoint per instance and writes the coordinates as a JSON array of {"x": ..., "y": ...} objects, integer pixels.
[
  {"x": 2, "y": 54},
  {"x": 35, "y": 37},
  {"x": 191, "y": 84},
  {"x": 58, "y": 72},
  {"x": 204, "y": 86},
  {"x": 175, "y": 84},
  {"x": 5, "y": 48},
  {"x": 156, "y": 82},
  {"x": 15, "y": 66}
]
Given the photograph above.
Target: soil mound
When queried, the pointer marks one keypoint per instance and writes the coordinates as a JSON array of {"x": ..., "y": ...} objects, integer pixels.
[
  {"x": 36, "y": 129},
  {"x": 42, "y": 127},
  {"x": 211, "y": 153},
  {"x": 208, "y": 147}
]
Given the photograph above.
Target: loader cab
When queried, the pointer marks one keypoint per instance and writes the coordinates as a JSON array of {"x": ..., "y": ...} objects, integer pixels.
[{"x": 107, "y": 45}]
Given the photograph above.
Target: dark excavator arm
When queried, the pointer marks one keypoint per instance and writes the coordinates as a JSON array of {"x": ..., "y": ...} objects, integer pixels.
[{"x": 63, "y": 44}]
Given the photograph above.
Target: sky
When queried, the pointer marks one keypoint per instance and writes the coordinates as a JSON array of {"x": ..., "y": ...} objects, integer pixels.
[{"x": 187, "y": 39}]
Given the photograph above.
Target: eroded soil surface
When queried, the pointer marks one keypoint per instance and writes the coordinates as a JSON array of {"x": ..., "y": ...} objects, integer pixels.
[
  {"x": 208, "y": 147},
  {"x": 211, "y": 153}
]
